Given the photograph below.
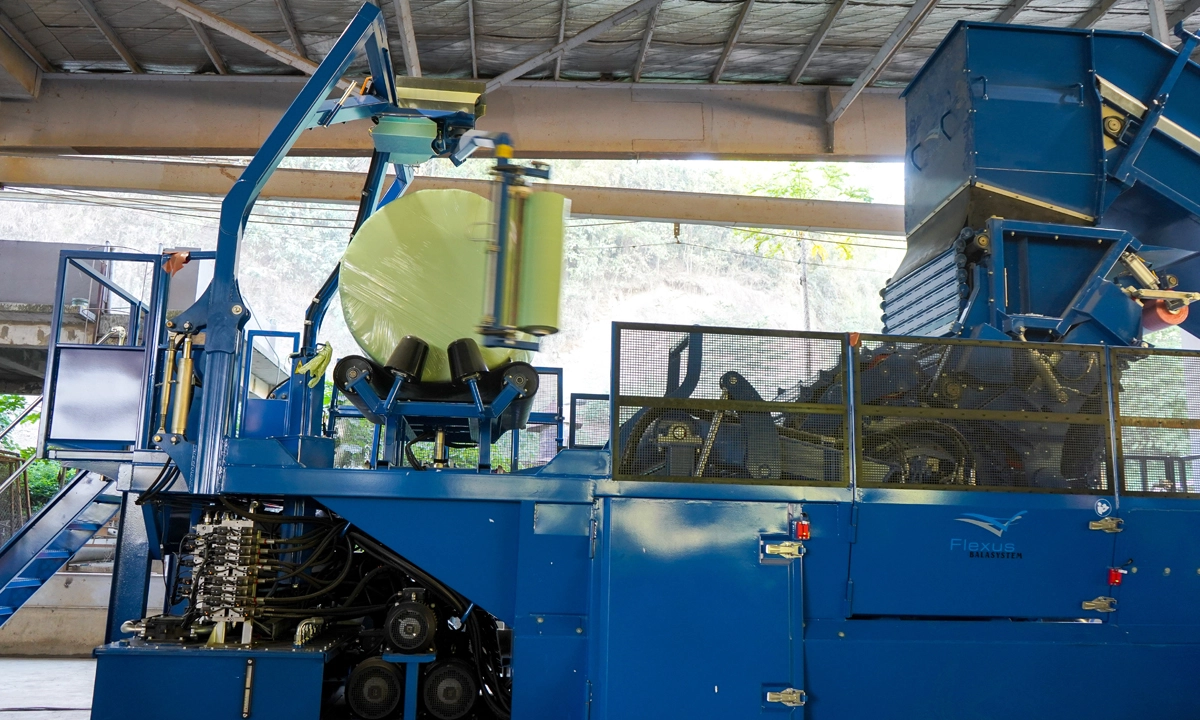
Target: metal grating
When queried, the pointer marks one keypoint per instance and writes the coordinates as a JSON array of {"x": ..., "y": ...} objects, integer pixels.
[
  {"x": 969, "y": 414},
  {"x": 1158, "y": 420},
  {"x": 591, "y": 425},
  {"x": 705, "y": 404}
]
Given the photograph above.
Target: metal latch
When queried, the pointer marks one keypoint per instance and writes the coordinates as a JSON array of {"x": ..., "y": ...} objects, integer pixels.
[
  {"x": 1100, "y": 604},
  {"x": 1108, "y": 524},
  {"x": 789, "y": 550},
  {"x": 790, "y": 697}
]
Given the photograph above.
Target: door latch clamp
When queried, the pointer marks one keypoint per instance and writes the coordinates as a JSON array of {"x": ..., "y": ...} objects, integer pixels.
[
  {"x": 1100, "y": 604},
  {"x": 790, "y": 697},
  {"x": 789, "y": 550},
  {"x": 1108, "y": 524}
]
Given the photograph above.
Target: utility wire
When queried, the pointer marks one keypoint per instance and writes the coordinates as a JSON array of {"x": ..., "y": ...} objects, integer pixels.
[{"x": 810, "y": 263}]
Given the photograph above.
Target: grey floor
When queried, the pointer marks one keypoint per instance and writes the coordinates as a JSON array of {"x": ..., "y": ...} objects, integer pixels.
[{"x": 61, "y": 685}]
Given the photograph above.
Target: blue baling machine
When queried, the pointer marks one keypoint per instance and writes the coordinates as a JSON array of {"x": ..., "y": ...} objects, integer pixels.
[
  {"x": 1050, "y": 188},
  {"x": 991, "y": 515}
]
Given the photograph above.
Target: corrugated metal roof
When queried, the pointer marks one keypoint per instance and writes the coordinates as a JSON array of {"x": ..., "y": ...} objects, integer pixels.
[{"x": 687, "y": 40}]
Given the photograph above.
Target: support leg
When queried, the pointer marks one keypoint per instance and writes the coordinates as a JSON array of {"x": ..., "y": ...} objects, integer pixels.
[{"x": 131, "y": 569}]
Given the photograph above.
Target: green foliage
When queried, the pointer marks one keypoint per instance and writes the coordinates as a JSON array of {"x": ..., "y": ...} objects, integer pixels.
[
  {"x": 43, "y": 475},
  {"x": 44, "y": 479},
  {"x": 10, "y": 407},
  {"x": 798, "y": 181}
]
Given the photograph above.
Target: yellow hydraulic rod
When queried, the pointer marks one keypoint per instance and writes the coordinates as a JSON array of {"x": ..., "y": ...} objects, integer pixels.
[
  {"x": 183, "y": 390},
  {"x": 164, "y": 405}
]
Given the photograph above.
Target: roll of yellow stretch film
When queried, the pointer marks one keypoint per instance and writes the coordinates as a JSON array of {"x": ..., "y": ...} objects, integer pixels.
[
  {"x": 542, "y": 226},
  {"x": 416, "y": 267}
]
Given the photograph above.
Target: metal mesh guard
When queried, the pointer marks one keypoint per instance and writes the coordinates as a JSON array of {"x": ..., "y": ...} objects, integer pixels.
[
  {"x": 1158, "y": 420},
  {"x": 722, "y": 405},
  {"x": 747, "y": 406},
  {"x": 590, "y": 421},
  {"x": 963, "y": 414}
]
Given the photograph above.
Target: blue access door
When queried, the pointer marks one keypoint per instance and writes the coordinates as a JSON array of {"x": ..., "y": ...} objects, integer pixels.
[
  {"x": 698, "y": 618},
  {"x": 947, "y": 553},
  {"x": 1157, "y": 551}
]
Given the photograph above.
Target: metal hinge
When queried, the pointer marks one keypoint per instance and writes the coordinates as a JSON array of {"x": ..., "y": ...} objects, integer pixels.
[
  {"x": 1100, "y": 604},
  {"x": 790, "y": 697},
  {"x": 789, "y": 550},
  {"x": 1108, "y": 524}
]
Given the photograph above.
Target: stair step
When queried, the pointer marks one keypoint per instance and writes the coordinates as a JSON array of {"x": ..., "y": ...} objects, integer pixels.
[
  {"x": 84, "y": 525},
  {"x": 108, "y": 499},
  {"x": 16, "y": 583},
  {"x": 5, "y": 611},
  {"x": 54, "y": 555}
]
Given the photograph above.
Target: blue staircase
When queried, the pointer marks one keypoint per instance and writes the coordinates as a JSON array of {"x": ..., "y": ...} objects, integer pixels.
[{"x": 50, "y": 538}]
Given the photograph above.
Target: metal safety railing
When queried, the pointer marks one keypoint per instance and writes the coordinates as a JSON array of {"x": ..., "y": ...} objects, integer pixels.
[
  {"x": 698, "y": 404},
  {"x": 16, "y": 506}
]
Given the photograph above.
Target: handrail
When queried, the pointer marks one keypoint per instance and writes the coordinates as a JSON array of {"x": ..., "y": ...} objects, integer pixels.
[
  {"x": 24, "y": 414},
  {"x": 17, "y": 473}
]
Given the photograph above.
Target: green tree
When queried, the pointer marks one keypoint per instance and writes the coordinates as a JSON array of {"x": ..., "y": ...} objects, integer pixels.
[
  {"x": 43, "y": 475},
  {"x": 10, "y": 407}
]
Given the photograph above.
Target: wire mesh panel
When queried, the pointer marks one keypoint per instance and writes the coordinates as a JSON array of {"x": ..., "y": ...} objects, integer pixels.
[
  {"x": 541, "y": 439},
  {"x": 1157, "y": 407},
  {"x": 706, "y": 404},
  {"x": 548, "y": 399},
  {"x": 590, "y": 421},
  {"x": 967, "y": 414}
]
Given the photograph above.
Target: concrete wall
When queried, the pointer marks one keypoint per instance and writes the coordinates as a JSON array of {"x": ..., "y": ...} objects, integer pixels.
[{"x": 66, "y": 616}]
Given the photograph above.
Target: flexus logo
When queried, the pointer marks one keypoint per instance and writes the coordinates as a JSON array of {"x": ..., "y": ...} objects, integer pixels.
[
  {"x": 995, "y": 526},
  {"x": 992, "y": 550}
]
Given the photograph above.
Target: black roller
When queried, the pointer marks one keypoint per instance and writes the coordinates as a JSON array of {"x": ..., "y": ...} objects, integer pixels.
[
  {"x": 410, "y": 624},
  {"x": 450, "y": 690},
  {"x": 375, "y": 689},
  {"x": 352, "y": 367},
  {"x": 466, "y": 360},
  {"x": 408, "y": 359},
  {"x": 524, "y": 377}
]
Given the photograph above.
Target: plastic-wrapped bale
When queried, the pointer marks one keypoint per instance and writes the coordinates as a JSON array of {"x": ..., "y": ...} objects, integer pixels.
[{"x": 416, "y": 267}]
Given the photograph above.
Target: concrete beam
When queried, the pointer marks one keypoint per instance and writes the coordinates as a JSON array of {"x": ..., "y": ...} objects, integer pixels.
[
  {"x": 564, "y": 46},
  {"x": 1013, "y": 9},
  {"x": 241, "y": 34},
  {"x": 14, "y": 32},
  {"x": 1184, "y": 12},
  {"x": 647, "y": 36},
  {"x": 408, "y": 38},
  {"x": 289, "y": 24},
  {"x": 916, "y": 15},
  {"x": 471, "y": 37},
  {"x": 814, "y": 43},
  {"x": 342, "y": 187},
  {"x": 20, "y": 76},
  {"x": 731, "y": 41},
  {"x": 1159, "y": 30},
  {"x": 111, "y": 35},
  {"x": 1093, "y": 16},
  {"x": 210, "y": 49},
  {"x": 232, "y": 115}
]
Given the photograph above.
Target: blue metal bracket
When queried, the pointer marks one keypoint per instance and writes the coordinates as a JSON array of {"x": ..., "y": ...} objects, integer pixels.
[
  {"x": 412, "y": 665},
  {"x": 1126, "y": 170}
]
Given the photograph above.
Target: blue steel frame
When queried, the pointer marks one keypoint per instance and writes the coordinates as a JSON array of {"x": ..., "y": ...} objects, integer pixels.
[
  {"x": 154, "y": 345},
  {"x": 296, "y": 383}
]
